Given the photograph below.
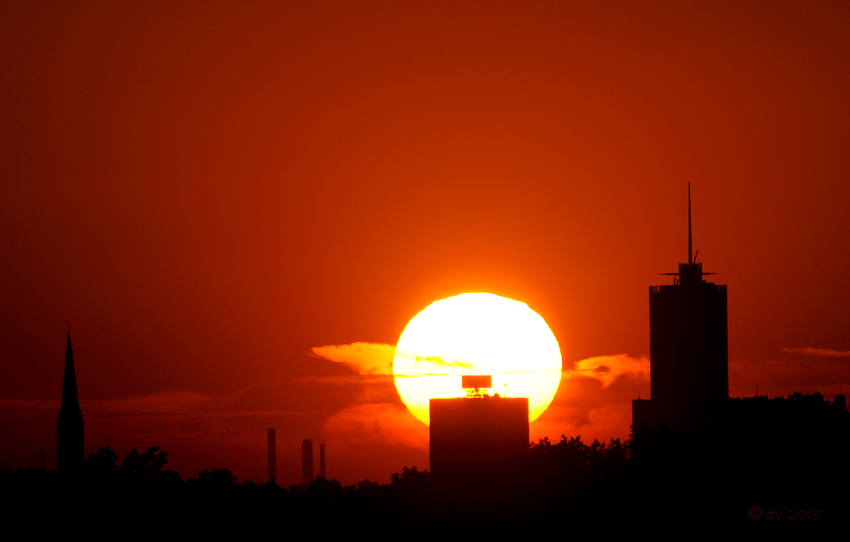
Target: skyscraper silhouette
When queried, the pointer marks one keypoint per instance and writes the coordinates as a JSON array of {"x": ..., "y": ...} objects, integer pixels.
[
  {"x": 688, "y": 349},
  {"x": 69, "y": 428}
]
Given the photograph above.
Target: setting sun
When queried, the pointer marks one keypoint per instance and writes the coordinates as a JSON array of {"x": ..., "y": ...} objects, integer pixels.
[{"x": 477, "y": 334}]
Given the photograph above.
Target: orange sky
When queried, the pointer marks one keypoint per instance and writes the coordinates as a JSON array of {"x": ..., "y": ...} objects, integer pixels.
[{"x": 208, "y": 191}]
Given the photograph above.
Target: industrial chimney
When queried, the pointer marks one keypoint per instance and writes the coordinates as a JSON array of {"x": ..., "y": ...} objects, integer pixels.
[
  {"x": 307, "y": 462},
  {"x": 272, "y": 458}
]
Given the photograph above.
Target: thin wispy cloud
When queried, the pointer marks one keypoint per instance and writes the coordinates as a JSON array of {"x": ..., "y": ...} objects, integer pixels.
[
  {"x": 376, "y": 359},
  {"x": 12, "y": 404},
  {"x": 594, "y": 399},
  {"x": 372, "y": 359},
  {"x": 818, "y": 352},
  {"x": 606, "y": 369},
  {"x": 157, "y": 403},
  {"x": 437, "y": 360},
  {"x": 377, "y": 424}
]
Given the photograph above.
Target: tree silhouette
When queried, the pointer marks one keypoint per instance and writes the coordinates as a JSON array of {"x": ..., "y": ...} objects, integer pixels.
[
  {"x": 216, "y": 477},
  {"x": 104, "y": 461},
  {"x": 411, "y": 477},
  {"x": 148, "y": 464}
]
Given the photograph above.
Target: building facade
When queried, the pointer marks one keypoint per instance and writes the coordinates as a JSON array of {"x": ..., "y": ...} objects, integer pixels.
[{"x": 470, "y": 434}]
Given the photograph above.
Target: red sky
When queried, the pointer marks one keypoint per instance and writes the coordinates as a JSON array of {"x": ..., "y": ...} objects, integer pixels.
[{"x": 208, "y": 191}]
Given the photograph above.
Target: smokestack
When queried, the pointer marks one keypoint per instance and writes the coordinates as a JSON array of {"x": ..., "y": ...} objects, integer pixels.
[
  {"x": 322, "y": 461},
  {"x": 307, "y": 462},
  {"x": 272, "y": 458}
]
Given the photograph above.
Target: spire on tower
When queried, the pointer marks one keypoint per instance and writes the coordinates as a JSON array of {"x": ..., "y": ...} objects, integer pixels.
[
  {"x": 690, "y": 242},
  {"x": 691, "y": 272}
]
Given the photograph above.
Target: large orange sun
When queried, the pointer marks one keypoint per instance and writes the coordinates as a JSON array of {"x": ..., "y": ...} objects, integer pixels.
[{"x": 477, "y": 334}]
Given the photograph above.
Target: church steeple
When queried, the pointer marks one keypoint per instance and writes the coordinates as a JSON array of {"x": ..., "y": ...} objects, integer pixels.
[
  {"x": 70, "y": 399},
  {"x": 69, "y": 427}
]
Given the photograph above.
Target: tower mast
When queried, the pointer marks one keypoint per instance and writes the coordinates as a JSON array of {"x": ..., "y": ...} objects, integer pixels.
[{"x": 690, "y": 242}]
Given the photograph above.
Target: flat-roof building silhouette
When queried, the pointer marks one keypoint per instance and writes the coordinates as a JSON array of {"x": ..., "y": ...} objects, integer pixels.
[
  {"x": 70, "y": 452},
  {"x": 307, "y": 462},
  {"x": 322, "y": 461},
  {"x": 688, "y": 350},
  {"x": 470, "y": 434}
]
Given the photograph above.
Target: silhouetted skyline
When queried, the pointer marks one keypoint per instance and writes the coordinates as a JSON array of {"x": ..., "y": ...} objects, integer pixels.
[{"x": 239, "y": 207}]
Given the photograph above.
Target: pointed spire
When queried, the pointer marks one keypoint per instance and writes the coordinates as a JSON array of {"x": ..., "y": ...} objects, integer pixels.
[
  {"x": 70, "y": 399},
  {"x": 69, "y": 426}
]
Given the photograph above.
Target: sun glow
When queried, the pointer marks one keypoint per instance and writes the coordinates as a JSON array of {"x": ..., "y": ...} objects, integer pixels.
[{"x": 477, "y": 334}]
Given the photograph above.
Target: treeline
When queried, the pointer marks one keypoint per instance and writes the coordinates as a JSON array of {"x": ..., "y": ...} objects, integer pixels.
[
  {"x": 651, "y": 475},
  {"x": 720, "y": 475},
  {"x": 136, "y": 469}
]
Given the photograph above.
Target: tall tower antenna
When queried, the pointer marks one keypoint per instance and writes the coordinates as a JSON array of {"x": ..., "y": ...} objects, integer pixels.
[{"x": 690, "y": 242}]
